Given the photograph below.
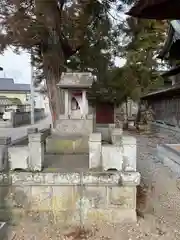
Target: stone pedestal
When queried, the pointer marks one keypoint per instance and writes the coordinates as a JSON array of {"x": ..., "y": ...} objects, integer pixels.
[
  {"x": 4, "y": 158},
  {"x": 19, "y": 157},
  {"x": 116, "y": 136},
  {"x": 111, "y": 126},
  {"x": 36, "y": 151},
  {"x": 95, "y": 150},
  {"x": 129, "y": 153},
  {"x": 112, "y": 157}
]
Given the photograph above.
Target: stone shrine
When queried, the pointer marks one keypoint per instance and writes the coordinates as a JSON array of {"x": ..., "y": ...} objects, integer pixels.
[{"x": 76, "y": 115}]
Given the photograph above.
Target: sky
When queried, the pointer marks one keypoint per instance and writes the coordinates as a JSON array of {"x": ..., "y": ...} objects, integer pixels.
[{"x": 15, "y": 66}]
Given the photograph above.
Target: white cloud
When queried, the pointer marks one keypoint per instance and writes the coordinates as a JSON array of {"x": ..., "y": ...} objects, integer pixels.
[{"x": 16, "y": 66}]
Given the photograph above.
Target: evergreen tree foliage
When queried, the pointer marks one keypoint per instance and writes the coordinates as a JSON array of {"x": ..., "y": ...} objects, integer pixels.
[{"x": 51, "y": 31}]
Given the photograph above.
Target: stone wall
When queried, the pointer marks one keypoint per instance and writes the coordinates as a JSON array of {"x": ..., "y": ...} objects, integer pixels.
[
  {"x": 72, "y": 198},
  {"x": 20, "y": 118}
]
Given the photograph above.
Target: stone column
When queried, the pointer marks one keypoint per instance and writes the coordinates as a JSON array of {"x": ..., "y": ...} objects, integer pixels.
[
  {"x": 4, "y": 158},
  {"x": 95, "y": 150},
  {"x": 116, "y": 136},
  {"x": 111, "y": 126},
  {"x": 66, "y": 99},
  {"x": 129, "y": 153},
  {"x": 36, "y": 151},
  {"x": 84, "y": 103}
]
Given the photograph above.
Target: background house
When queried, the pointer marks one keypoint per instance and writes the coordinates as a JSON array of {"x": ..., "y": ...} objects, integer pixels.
[
  {"x": 10, "y": 89},
  {"x": 21, "y": 92}
]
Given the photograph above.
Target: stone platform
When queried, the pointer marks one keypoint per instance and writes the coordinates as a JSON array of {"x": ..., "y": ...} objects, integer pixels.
[{"x": 72, "y": 198}]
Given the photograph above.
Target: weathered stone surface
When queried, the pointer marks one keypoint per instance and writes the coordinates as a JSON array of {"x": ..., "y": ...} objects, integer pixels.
[
  {"x": 111, "y": 127},
  {"x": 67, "y": 145},
  {"x": 95, "y": 150},
  {"x": 112, "y": 157},
  {"x": 96, "y": 196},
  {"x": 3, "y": 157},
  {"x": 116, "y": 136},
  {"x": 130, "y": 178},
  {"x": 129, "y": 153},
  {"x": 104, "y": 130},
  {"x": 95, "y": 137},
  {"x": 18, "y": 157},
  {"x": 72, "y": 197},
  {"x": 4, "y": 142},
  {"x": 36, "y": 151},
  {"x": 123, "y": 197},
  {"x": 82, "y": 127},
  {"x": 70, "y": 179}
]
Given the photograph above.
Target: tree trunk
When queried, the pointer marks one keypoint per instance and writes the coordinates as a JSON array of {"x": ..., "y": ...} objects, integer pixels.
[
  {"x": 138, "y": 116},
  {"x": 126, "y": 116},
  {"x": 54, "y": 96}
]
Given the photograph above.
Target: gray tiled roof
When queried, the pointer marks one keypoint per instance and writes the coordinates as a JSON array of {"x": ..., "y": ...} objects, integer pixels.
[
  {"x": 76, "y": 80},
  {"x": 7, "y": 84}
]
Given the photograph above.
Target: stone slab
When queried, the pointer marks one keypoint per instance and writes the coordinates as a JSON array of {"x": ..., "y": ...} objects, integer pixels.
[{"x": 112, "y": 157}]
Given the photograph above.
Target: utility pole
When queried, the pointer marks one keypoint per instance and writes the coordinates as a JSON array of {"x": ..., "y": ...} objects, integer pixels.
[{"x": 32, "y": 90}]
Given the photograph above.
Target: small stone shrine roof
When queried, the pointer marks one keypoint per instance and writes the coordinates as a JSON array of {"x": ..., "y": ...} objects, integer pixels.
[{"x": 76, "y": 80}]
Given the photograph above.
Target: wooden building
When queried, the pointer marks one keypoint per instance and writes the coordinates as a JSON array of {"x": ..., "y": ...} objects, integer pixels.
[{"x": 165, "y": 103}]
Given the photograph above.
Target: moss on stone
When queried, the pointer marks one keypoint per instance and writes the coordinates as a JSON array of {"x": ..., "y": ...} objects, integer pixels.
[{"x": 54, "y": 145}]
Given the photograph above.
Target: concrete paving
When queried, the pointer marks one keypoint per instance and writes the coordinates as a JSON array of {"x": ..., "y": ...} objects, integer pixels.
[{"x": 19, "y": 133}]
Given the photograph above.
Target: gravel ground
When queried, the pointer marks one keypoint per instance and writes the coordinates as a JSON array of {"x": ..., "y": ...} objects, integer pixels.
[{"x": 158, "y": 205}]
